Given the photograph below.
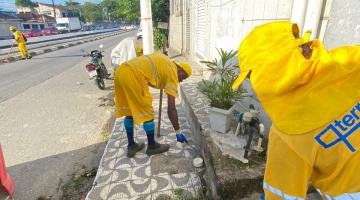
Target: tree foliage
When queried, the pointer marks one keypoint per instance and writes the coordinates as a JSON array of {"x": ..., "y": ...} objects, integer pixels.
[
  {"x": 129, "y": 10},
  {"x": 25, "y": 3},
  {"x": 160, "y": 10},
  {"x": 111, "y": 8},
  {"x": 72, "y": 3},
  {"x": 92, "y": 12}
]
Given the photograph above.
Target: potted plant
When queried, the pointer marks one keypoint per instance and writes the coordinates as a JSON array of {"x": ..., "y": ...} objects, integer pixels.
[{"x": 218, "y": 90}]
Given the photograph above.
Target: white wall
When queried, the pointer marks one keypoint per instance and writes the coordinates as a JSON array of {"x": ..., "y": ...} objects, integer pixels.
[
  {"x": 343, "y": 26},
  {"x": 231, "y": 21},
  {"x": 175, "y": 36}
]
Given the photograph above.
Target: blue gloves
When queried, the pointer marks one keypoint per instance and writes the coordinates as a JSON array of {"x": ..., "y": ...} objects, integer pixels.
[{"x": 180, "y": 137}]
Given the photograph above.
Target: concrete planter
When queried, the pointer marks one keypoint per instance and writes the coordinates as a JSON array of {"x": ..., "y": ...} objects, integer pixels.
[{"x": 220, "y": 119}]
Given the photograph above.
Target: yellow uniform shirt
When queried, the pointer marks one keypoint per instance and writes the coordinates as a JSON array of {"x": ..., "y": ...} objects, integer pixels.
[
  {"x": 328, "y": 157},
  {"x": 314, "y": 107},
  {"x": 132, "y": 80},
  {"x": 19, "y": 37}
]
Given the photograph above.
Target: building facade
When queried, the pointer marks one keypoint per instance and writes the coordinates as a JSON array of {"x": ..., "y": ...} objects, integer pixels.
[
  {"x": 8, "y": 7},
  {"x": 36, "y": 21},
  {"x": 60, "y": 11},
  {"x": 208, "y": 24},
  {"x": 8, "y": 18}
]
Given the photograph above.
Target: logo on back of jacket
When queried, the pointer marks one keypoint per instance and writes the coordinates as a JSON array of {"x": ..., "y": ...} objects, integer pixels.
[{"x": 343, "y": 128}]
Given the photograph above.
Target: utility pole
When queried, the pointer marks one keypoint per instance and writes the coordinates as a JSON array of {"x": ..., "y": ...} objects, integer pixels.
[
  {"x": 147, "y": 26},
  {"x": 53, "y": 8}
]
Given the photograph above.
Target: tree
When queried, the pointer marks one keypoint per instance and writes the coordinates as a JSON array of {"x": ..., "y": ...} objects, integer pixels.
[
  {"x": 25, "y": 3},
  {"x": 129, "y": 9},
  {"x": 72, "y": 3},
  {"x": 91, "y": 12},
  {"x": 111, "y": 7},
  {"x": 160, "y": 10}
]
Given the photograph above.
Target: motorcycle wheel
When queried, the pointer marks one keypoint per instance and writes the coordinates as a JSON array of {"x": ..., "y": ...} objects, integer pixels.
[
  {"x": 105, "y": 72},
  {"x": 100, "y": 83}
]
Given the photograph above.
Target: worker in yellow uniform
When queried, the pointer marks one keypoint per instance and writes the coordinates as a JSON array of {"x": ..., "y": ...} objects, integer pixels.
[
  {"x": 133, "y": 99},
  {"x": 312, "y": 96},
  {"x": 19, "y": 38}
]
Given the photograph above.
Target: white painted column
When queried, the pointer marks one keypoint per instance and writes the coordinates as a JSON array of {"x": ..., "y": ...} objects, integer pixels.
[
  {"x": 299, "y": 12},
  {"x": 147, "y": 26},
  {"x": 312, "y": 18}
]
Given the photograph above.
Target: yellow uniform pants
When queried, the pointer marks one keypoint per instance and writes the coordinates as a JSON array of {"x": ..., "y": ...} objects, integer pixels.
[
  {"x": 23, "y": 50},
  {"x": 132, "y": 96}
]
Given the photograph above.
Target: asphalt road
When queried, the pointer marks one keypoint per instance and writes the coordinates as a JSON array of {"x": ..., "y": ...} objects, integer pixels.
[
  {"x": 52, "y": 117},
  {"x": 18, "y": 76},
  {"x": 51, "y": 37}
]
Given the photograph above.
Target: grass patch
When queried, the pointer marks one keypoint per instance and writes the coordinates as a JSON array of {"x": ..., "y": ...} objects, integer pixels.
[
  {"x": 181, "y": 194},
  {"x": 80, "y": 184}
]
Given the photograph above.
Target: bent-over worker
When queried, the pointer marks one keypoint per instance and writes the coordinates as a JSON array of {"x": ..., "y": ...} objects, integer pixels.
[{"x": 134, "y": 101}]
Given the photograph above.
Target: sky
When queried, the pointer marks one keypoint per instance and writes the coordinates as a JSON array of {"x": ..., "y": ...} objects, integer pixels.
[{"x": 62, "y": 1}]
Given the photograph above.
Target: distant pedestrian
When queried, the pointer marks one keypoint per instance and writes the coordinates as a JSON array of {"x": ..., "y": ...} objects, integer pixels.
[{"x": 21, "y": 40}]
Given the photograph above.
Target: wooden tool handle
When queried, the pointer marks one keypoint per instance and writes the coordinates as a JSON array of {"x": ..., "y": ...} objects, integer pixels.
[{"x": 159, "y": 119}]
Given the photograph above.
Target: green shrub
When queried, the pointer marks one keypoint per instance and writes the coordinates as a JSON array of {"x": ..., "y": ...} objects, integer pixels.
[
  {"x": 219, "y": 91},
  {"x": 160, "y": 38}
]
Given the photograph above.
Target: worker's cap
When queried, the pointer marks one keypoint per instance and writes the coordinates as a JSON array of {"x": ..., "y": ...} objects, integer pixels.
[
  {"x": 257, "y": 47},
  {"x": 11, "y": 28},
  {"x": 186, "y": 67}
]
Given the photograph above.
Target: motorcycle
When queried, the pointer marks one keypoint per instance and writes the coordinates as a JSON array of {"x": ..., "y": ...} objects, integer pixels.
[{"x": 96, "y": 68}]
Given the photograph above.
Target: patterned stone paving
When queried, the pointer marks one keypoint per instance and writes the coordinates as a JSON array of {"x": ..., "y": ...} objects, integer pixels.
[{"x": 142, "y": 177}]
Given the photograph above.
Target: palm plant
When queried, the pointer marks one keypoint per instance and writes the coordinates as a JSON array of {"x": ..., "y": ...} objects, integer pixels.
[
  {"x": 219, "y": 91},
  {"x": 222, "y": 68}
]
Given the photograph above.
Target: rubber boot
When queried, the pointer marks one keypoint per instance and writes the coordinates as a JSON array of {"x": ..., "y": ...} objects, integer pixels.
[
  {"x": 133, "y": 149},
  {"x": 157, "y": 148}
]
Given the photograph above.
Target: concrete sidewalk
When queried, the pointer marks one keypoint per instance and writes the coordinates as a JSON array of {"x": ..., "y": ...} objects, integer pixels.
[{"x": 143, "y": 177}]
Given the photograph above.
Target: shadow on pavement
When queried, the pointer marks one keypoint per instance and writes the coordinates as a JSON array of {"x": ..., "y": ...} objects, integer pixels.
[{"x": 46, "y": 176}]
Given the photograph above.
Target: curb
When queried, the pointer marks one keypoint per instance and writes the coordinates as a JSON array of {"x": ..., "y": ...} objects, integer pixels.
[
  {"x": 58, "y": 47},
  {"x": 222, "y": 182}
]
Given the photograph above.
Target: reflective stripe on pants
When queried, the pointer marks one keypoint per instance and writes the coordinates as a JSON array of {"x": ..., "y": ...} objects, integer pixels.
[
  {"x": 345, "y": 196},
  {"x": 280, "y": 193}
]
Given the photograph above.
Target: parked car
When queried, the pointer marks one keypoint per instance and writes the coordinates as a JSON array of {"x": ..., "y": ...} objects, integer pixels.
[
  {"x": 50, "y": 31},
  {"x": 27, "y": 33},
  {"x": 32, "y": 33}
]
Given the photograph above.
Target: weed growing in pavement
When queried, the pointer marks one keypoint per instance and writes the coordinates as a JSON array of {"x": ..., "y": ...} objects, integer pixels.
[
  {"x": 105, "y": 135},
  {"x": 179, "y": 194},
  {"x": 79, "y": 185},
  {"x": 79, "y": 179}
]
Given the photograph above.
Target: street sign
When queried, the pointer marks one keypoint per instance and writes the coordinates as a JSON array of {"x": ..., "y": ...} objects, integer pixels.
[{"x": 163, "y": 25}]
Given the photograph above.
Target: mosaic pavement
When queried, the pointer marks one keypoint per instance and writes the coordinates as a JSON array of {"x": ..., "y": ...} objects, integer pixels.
[{"x": 144, "y": 177}]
